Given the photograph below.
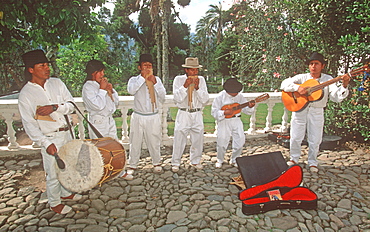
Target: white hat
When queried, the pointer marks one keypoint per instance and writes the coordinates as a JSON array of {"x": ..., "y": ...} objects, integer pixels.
[{"x": 191, "y": 62}]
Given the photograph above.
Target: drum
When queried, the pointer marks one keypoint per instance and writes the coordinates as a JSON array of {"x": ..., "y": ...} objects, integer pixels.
[{"x": 90, "y": 162}]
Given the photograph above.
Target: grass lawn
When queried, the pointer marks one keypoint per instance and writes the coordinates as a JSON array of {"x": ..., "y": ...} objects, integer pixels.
[{"x": 209, "y": 121}]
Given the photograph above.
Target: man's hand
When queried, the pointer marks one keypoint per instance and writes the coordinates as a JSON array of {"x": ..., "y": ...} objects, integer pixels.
[
  {"x": 302, "y": 90},
  {"x": 251, "y": 104},
  {"x": 196, "y": 83},
  {"x": 109, "y": 87},
  {"x": 52, "y": 149},
  {"x": 103, "y": 83},
  {"x": 45, "y": 110},
  {"x": 152, "y": 79},
  {"x": 345, "y": 80},
  {"x": 188, "y": 82},
  {"x": 228, "y": 112}
]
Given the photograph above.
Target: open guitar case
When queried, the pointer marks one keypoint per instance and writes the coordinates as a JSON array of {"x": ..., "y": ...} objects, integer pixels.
[{"x": 271, "y": 184}]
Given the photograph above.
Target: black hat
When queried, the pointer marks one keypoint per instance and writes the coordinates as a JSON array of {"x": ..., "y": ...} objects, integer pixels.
[
  {"x": 145, "y": 58},
  {"x": 94, "y": 65},
  {"x": 316, "y": 56},
  {"x": 232, "y": 85},
  {"x": 34, "y": 57}
]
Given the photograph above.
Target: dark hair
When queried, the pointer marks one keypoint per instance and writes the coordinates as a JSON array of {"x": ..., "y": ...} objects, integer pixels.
[{"x": 93, "y": 66}]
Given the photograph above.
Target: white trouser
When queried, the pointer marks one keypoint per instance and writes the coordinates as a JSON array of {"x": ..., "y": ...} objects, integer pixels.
[
  {"x": 188, "y": 124},
  {"x": 146, "y": 127},
  {"x": 311, "y": 119},
  {"x": 105, "y": 125},
  {"x": 232, "y": 127},
  {"x": 54, "y": 189}
]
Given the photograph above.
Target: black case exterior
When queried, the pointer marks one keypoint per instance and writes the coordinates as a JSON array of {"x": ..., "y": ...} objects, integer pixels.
[{"x": 266, "y": 172}]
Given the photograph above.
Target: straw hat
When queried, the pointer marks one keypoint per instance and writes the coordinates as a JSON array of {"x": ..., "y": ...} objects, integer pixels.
[{"x": 191, "y": 62}]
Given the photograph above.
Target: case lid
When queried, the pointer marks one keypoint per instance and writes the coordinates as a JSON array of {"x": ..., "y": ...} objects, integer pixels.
[{"x": 261, "y": 168}]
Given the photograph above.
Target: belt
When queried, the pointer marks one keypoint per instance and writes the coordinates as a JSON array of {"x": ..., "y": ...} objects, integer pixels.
[
  {"x": 190, "y": 110},
  {"x": 63, "y": 129},
  {"x": 236, "y": 116}
]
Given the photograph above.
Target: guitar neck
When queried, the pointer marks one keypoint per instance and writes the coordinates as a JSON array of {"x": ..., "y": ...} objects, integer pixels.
[
  {"x": 326, "y": 83},
  {"x": 241, "y": 106}
]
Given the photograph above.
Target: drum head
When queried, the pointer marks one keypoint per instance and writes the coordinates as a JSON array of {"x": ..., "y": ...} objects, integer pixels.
[{"x": 84, "y": 166}]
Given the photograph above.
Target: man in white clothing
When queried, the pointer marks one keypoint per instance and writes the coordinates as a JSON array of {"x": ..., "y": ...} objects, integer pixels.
[
  {"x": 190, "y": 95},
  {"x": 229, "y": 123},
  {"x": 149, "y": 93},
  {"x": 100, "y": 99},
  {"x": 43, "y": 102},
  {"x": 311, "y": 118}
]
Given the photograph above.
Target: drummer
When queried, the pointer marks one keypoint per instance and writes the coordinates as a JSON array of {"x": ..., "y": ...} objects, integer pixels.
[
  {"x": 101, "y": 101},
  {"x": 43, "y": 103}
]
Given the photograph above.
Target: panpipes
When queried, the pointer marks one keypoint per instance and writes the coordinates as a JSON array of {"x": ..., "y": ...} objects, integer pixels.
[
  {"x": 150, "y": 86},
  {"x": 190, "y": 92}
]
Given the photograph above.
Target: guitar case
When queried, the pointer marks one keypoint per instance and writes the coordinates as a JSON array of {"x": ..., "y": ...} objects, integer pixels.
[{"x": 271, "y": 185}]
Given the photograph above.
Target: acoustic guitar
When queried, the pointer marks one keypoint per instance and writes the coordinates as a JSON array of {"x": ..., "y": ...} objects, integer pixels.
[
  {"x": 236, "y": 107},
  {"x": 294, "y": 101}
]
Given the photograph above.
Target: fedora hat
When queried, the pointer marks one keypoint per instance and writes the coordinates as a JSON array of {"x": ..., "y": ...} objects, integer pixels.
[
  {"x": 191, "y": 62},
  {"x": 316, "y": 56},
  {"x": 34, "y": 57},
  {"x": 145, "y": 58},
  {"x": 232, "y": 85}
]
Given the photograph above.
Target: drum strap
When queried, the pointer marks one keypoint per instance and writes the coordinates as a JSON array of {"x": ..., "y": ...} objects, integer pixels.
[
  {"x": 91, "y": 125},
  {"x": 69, "y": 126}
]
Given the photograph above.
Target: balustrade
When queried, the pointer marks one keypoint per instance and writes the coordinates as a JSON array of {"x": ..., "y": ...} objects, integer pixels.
[{"x": 9, "y": 112}]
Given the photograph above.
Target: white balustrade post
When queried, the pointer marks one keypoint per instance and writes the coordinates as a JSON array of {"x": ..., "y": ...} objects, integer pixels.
[
  {"x": 81, "y": 127},
  {"x": 270, "y": 106},
  {"x": 284, "y": 122},
  {"x": 10, "y": 131},
  {"x": 124, "y": 133},
  {"x": 252, "y": 123},
  {"x": 164, "y": 122}
]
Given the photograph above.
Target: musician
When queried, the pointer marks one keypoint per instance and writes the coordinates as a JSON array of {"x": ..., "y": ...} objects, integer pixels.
[
  {"x": 190, "y": 96},
  {"x": 100, "y": 99},
  {"x": 51, "y": 131},
  {"x": 311, "y": 118},
  {"x": 149, "y": 93},
  {"x": 231, "y": 126}
]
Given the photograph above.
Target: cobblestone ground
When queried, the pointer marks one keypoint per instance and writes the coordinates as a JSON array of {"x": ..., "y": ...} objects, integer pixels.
[{"x": 190, "y": 200}]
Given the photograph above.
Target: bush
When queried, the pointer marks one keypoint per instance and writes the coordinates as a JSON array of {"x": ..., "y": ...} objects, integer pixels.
[{"x": 349, "y": 119}]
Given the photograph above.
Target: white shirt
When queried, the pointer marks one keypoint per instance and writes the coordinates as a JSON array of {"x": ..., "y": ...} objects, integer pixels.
[
  {"x": 333, "y": 92},
  {"x": 33, "y": 95},
  {"x": 142, "y": 103},
  {"x": 97, "y": 101},
  {"x": 180, "y": 93},
  {"x": 223, "y": 98}
]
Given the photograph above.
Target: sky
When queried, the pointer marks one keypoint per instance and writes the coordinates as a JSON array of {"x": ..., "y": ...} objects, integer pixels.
[
  {"x": 197, "y": 9},
  {"x": 190, "y": 14}
]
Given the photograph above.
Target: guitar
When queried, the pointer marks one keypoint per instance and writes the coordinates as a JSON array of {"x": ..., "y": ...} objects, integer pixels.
[
  {"x": 236, "y": 107},
  {"x": 294, "y": 101}
]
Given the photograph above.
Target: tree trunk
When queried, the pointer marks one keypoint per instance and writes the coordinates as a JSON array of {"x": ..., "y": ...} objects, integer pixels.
[{"x": 165, "y": 7}]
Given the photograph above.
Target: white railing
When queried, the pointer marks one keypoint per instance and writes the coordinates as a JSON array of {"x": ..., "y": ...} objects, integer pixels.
[{"x": 9, "y": 112}]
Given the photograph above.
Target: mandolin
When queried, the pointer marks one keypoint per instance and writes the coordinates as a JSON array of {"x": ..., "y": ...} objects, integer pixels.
[
  {"x": 236, "y": 107},
  {"x": 294, "y": 101}
]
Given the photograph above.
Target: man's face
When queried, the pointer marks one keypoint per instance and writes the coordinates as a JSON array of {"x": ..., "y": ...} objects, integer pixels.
[
  {"x": 98, "y": 75},
  {"x": 232, "y": 94},
  {"x": 40, "y": 71},
  {"x": 316, "y": 67},
  {"x": 191, "y": 71},
  {"x": 145, "y": 66}
]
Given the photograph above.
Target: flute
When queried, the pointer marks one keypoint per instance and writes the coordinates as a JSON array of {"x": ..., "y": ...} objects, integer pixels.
[
  {"x": 190, "y": 92},
  {"x": 150, "y": 86}
]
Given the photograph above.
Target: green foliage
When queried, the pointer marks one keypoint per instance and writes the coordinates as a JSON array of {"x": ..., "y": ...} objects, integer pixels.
[{"x": 350, "y": 119}]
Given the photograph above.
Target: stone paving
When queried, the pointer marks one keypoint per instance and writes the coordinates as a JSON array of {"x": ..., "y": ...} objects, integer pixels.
[{"x": 192, "y": 200}]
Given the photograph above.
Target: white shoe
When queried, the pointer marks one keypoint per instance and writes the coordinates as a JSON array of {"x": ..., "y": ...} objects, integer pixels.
[
  {"x": 72, "y": 197},
  {"x": 130, "y": 171},
  {"x": 314, "y": 169},
  {"x": 291, "y": 162},
  {"x": 198, "y": 166},
  {"x": 233, "y": 164},
  {"x": 218, "y": 165},
  {"x": 157, "y": 169},
  {"x": 175, "y": 168},
  {"x": 127, "y": 176}
]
